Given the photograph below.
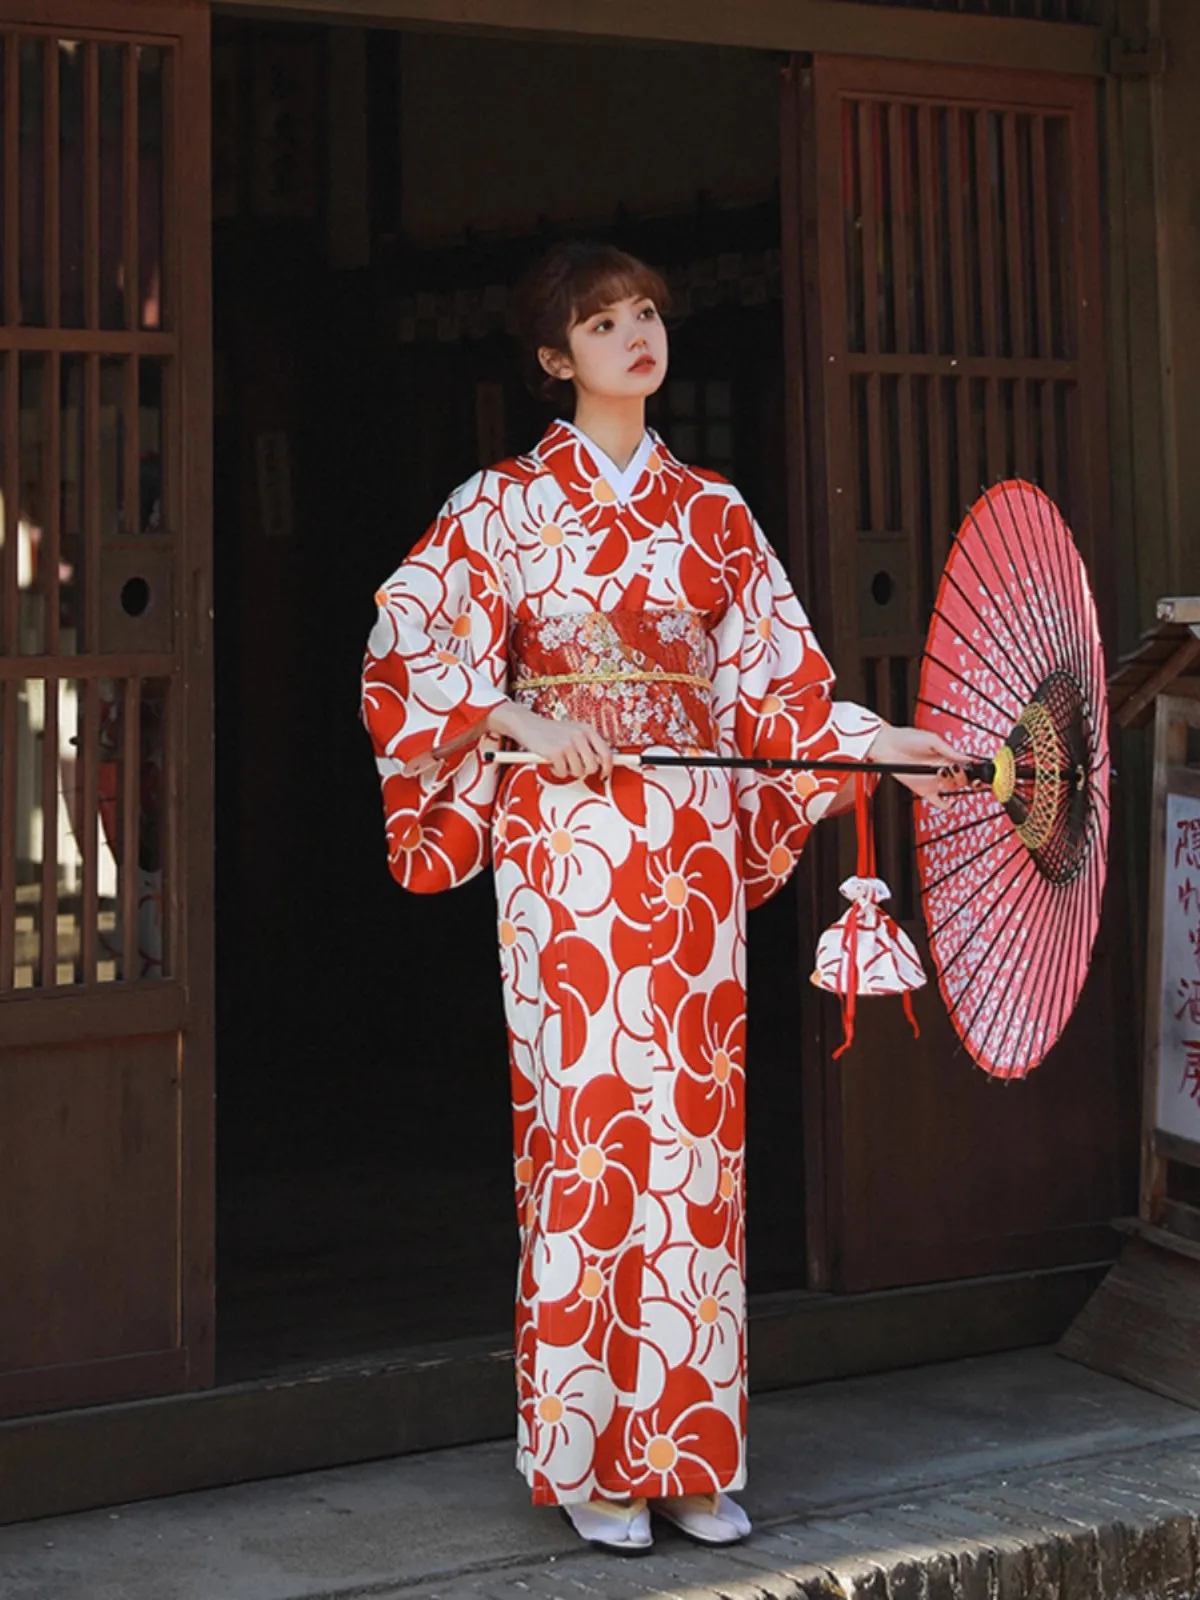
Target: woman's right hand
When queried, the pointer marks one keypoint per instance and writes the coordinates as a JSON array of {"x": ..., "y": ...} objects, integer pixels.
[{"x": 572, "y": 749}]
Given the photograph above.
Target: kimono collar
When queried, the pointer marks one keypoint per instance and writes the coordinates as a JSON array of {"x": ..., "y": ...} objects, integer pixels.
[
  {"x": 577, "y": 467},
  {"x": 621, "y": 480}
]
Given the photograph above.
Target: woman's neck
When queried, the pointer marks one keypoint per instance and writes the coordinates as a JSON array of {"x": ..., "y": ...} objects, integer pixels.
[{"x": 617, "y": 426}]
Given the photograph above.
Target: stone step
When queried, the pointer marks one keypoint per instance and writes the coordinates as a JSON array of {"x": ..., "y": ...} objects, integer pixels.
[
  {"x": 1117, "y": 1527},
  {"x": 1007, "y": 1477}
]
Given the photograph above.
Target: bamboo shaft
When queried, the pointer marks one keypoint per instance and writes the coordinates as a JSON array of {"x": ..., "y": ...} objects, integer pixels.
[{"x": 973, "y": 771}]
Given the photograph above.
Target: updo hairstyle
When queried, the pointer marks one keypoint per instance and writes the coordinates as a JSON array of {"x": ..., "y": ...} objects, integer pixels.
[{"x": 570, "y": 283}]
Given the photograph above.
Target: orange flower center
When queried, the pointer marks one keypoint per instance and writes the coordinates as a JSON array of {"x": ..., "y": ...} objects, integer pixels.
[
  {"x": 551, "y": 534},
  {"x": 412, "y": 836},
  {"x": 591, "y": 1284},
  {"x": 722, "y": 1066},
  {"x": 675, "y": 890},
  {"x": 661, "y": 1454},
  {"x": 726, "y": 1185},
  {"x": 550, "y": 1408},
  {"x": 447, "y": 658},
  {"x": 708, "y": 1310},
  {"x": 461, "y": 627},
  {"x": 561, "y": 842},
  {"x": 772, "y": 705},
  {"x": 381, "y": 597},
  {"x": 779, "y": 862},
  {"x": 654, "y": 462},
  {"x": 508, "y": 935},
  {"x": 603, "y": 492},
  {"x": 523, "y": 1169},
  {"x": 803, "y": 784},
  {"x": 763, "y": 628},
  {"x": 591, "y": 1162}
]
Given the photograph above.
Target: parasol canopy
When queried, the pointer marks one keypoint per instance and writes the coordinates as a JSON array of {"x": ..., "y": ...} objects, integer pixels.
[{"x": 1012, "y": 875}]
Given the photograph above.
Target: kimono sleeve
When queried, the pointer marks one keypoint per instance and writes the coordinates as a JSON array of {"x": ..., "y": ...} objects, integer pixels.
[
  {"x": 774, "y": 692},
  {"x": 436, "y": 665}
]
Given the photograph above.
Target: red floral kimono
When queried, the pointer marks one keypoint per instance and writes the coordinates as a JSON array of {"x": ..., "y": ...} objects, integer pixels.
[{"x": 667, "y": 622}]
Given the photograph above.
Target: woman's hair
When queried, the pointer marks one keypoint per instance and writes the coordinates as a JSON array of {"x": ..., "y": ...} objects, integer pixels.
[{"x": 570, "y": 283}]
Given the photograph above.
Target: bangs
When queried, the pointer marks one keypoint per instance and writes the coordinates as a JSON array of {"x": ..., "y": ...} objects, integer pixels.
[{"x": 614, "y": 277}]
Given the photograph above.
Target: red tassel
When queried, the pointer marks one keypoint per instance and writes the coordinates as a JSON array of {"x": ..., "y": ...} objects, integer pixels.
[
  {"x": 847, "y": 1033},
  {"x": 862, "y": 821},
  {"x": 849, "y": 999},
  {"x": 911, "y": 1014},
  {"x": 866, "y": 869}
]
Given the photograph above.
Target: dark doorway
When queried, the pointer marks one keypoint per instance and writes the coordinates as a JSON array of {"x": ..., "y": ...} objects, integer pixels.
[{"x": 375, "y": 192}]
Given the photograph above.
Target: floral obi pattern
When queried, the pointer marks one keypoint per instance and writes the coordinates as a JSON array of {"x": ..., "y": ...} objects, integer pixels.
[{"x": 640, "y": 678}]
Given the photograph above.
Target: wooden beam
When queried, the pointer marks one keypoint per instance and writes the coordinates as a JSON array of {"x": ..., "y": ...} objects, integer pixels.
[
  {"x": 790, "y": 25},
  {"x": 1178, "y": 664}
]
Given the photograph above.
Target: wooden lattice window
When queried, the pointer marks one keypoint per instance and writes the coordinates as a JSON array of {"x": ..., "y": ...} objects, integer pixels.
[
  {"x": 88, "y": 420},
  {"x": 959, "y": 305}
]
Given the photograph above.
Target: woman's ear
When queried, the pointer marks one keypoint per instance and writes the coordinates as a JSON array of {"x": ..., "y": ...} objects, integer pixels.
[{"x": 555, "y": 363}]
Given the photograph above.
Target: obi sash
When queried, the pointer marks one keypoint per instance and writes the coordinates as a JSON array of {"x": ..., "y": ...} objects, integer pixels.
[{"x": 640, "y": 678}]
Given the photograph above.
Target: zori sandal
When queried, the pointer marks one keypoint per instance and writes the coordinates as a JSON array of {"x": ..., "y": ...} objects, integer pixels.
[
  {"x": 706, "y": 1518},
  {"x": 608, "y": 1525}
]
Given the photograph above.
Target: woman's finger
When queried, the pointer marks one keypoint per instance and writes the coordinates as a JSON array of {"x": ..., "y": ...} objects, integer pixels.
[
  {"x": 588, "y": 760},
  {"x": 603, "y": 751},
  {"x": 930, "y": 790}
]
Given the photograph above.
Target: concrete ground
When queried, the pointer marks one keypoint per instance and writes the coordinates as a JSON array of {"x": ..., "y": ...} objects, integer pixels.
[{"x": 1001, "y": 1478}]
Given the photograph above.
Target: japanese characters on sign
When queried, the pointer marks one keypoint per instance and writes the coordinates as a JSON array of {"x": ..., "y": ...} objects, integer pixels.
[{"x": 1178, "y": 1109}]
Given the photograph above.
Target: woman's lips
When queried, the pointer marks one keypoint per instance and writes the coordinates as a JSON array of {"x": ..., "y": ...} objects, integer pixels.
[{"x": 643, "y": 364}]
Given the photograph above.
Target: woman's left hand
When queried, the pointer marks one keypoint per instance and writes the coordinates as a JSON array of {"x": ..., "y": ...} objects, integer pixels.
[{"x": 918, "y": 745}]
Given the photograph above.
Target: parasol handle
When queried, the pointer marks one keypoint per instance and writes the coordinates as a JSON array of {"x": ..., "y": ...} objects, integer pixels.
[{"x": 972, "y": 771}]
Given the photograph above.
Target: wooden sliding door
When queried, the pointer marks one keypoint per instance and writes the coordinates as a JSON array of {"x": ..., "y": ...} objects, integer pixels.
[
  {"x": 105, "y": 741},
  {"x": 947, "y": 322}
]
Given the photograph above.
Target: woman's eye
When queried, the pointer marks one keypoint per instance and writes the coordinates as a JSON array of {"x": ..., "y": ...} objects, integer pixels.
[
  {"x": 649, "y": 313},
  {"x": 603, "y": 326}
]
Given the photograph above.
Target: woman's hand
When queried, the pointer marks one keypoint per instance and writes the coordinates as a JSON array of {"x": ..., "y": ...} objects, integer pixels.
[
  {"x": 917, "y": 745},
  {"x": 572, "y": 749}
]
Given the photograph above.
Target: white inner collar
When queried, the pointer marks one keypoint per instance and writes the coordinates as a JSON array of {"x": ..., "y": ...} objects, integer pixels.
[{"x": 621, "y": 483}]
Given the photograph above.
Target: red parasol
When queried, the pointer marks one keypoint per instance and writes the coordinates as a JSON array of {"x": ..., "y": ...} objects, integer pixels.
[{"x": 1012, "y": 876}]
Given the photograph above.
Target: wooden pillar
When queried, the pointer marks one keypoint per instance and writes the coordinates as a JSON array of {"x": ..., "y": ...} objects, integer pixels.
[
  {"x": 1144, "y": 521},
  {"x": 1178, "y": 128},
  {"x": 1143, "y": 518}
]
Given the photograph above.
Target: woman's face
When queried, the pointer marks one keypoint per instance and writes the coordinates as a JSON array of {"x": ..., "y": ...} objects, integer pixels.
[{"x": 618, "y": 353}]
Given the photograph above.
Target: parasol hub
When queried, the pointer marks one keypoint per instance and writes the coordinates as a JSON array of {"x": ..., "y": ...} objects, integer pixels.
[
  {"x": 1042, "y": 776},
  {"x": 1004, "y": 777}
]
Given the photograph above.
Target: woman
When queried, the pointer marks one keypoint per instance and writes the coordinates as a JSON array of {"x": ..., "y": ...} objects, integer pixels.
[{"x": 591, "y": 597}]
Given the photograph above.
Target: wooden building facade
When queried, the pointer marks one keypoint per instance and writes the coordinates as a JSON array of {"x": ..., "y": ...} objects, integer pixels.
[{"x": 253, "y": 266}]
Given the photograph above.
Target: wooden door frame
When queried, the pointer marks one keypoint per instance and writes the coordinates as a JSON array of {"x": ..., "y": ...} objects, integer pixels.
[
  {"x": 183, "y": 1002},
  {"x": 195, "y": 392},
  {"x": 832, "y": 27}
]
